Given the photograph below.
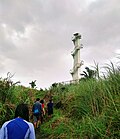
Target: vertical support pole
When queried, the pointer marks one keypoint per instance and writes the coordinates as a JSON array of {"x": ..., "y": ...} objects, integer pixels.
[{"x": 75, "y": 72}]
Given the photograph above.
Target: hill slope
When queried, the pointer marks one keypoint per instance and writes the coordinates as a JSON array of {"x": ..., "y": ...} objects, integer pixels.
[{"x": 88, "y": 110}]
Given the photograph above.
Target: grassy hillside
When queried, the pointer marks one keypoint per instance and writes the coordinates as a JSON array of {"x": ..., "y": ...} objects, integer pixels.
[{"x": 89, "y": 109}]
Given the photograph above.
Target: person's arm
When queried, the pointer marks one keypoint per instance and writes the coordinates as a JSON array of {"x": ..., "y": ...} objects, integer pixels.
[
  {"x": 3, "y": 131},
  {"x": 43, "y": 109},
  {"x": 33, "y": 108},
  {"x": 32, "y": 131}
]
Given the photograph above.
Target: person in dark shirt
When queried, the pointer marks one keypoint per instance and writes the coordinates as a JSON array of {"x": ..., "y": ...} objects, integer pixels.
[{"x": 50, "y": 108}]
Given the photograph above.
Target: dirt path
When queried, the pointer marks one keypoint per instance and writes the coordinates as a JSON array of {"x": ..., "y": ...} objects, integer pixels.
[{"x": 40, "y": 135}]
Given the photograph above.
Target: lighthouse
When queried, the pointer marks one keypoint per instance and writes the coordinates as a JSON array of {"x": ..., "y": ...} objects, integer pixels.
[{"x": 75, "y": 71}]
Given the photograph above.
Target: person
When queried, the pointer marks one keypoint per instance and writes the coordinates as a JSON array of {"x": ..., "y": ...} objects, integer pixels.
[
  {"x": 19, "y": 127},
  {"x": 43, "y": 110},
  {"x": 37, "y": 111},
  {"x": 50, "y": 108}
]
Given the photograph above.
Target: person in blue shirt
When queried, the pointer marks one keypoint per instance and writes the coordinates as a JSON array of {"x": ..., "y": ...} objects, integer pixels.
[
  {"x": 37, "y": 112},
  {"x": 19, "y": 127}
]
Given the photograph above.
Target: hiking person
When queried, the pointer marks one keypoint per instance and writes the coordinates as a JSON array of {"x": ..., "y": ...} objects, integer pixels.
[
  {"x": 43, "y": 110},
  {"x": 37, "y": 111},
  {"x": 19, "y": 127},
  {"x": 50, "y": 108}
]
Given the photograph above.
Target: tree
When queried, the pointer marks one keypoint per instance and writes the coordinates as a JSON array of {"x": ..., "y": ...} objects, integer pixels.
[
  {"x": 88, "y": 74},
  {"x": 33, "y": 84},
  {"x": 6, "y": 86}
]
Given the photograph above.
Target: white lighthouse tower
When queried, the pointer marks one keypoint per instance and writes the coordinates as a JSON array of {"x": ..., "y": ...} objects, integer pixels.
[{"x": 75, "y": 72}]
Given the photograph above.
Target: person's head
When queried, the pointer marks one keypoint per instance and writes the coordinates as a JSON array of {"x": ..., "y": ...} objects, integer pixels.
[
  {"x": 42, "y": 101},
  {"x": 37, "y": 99},
  {"x": 22, "y": 111},
  {"x": 50, "y": 100}
]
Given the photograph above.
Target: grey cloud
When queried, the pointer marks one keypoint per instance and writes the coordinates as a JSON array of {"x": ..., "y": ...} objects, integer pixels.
[
  {"x": 43, "y": 50},
  {"x": 102, "y": 20},
  {"x": 6, "y": 44},
  {"x": 17, "y": 14}
]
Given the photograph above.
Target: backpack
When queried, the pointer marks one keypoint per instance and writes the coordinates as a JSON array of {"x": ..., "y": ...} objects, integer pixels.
[{"x": 36, "y": 111}]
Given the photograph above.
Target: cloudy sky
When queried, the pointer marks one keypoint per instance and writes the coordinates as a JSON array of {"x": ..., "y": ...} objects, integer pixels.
[{"x": 35, "y": 37}]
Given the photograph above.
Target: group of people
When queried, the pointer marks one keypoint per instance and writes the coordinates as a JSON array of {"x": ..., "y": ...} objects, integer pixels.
[
  {"x": 39, "y": 111},
  {"x": 20, "y": 127}
]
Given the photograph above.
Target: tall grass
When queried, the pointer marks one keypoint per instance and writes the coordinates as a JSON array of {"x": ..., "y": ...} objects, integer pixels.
[
  {"x": 11, "y": 95},
  {"x": 89, "y": 110},
  {"x": 92, "y": 107}
]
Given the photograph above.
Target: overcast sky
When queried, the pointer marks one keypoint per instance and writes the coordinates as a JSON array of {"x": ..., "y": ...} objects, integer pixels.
[{"x": 35, "y": 37}]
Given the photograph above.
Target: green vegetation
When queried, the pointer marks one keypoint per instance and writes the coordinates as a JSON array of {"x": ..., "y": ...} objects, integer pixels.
[{"x": 89, "y": 109}]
